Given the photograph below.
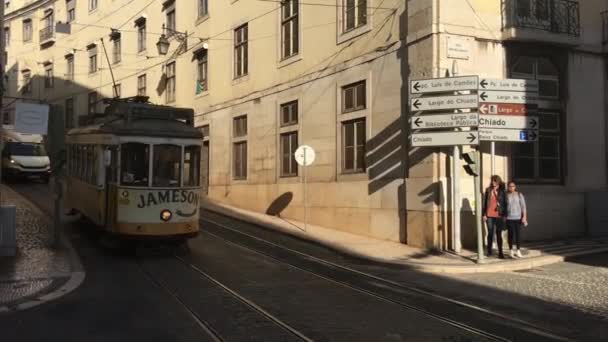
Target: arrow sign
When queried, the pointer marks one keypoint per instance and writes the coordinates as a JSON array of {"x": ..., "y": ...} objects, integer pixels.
[
  {"x": 445, "y": 121},
  {"x": 511, "y": 84},
  {"x": 513, "y": 135},
  {"x": 445, "y": 139},
  {"x": 508, "y": 121},
  {"x": 444, "y": 102},
  {"x": 449, "y": 84},
  {"x": 507, "y": 97},
  {"x": 506, "y": 108}
]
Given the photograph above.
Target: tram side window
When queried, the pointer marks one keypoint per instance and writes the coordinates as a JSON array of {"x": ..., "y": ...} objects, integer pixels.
[
  {"x": 192, "y": 163},
  {"x": 134, "y": 164},
  {"x": 167, "y": 165}
]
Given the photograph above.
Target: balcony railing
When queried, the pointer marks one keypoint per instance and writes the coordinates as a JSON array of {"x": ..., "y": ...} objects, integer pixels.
[
  {"x": 46, "y": 34},
  {"x": 555, "y": 16}
]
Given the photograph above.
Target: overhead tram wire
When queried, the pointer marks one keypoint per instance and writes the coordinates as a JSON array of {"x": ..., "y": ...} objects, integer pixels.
[{"x": 164, "y": 61}]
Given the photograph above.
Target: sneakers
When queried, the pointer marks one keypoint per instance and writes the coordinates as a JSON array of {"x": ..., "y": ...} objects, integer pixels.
[
  {"x": 512, "y": 253},
  {"x": 519, "y": 254}
]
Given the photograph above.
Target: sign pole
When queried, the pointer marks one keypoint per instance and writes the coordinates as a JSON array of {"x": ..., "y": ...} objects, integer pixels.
[
  {"x": 305, "y": 197},
  {"x": 478, "y": 213},
  {"x": 492, "y": 154},
  {"x": 455, "y": 184}
]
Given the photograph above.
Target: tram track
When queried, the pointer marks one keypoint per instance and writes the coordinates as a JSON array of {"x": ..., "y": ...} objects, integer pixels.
[
  {"x": 386, "y": 289},
  {"x": 207, "y": 327}
]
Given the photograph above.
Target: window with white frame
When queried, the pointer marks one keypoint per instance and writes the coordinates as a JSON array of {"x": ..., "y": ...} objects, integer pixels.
[
  {"x": 69, "y": 74},
  {"x": 540, "y": 161},
  {"x": 27, "y": 30},
  {"x": 141, "y": 85},
  {"x": 240, "y": 51},
  {"x": 71, "y": 10},
  {"x": 203, "y": 8},
  {"x": 69, "y": 112},
  {"x": 116, "y": 47},
  {"x": 141, "y": 35},
  {"x": 7, "y": 36},
  {"x": 353, "y": 97},
  {"x": 288, "y": 138},
  {"x": 92, "y": 103},
  {"x": 171, "y": 82},
  {"x": 201, "y": 71},
  {"x": 353, "y": 146},
  {"x": 48, "y": 76},
  {"x": 27, "y": 82},
  {"x": 92, "y": 51},
  {"x": 92, "y": 5},
  {"x": 239, "y": 147},
  {"x": 170, "y": 23},
  {"x": 290, "y": 29},
  {"x": 354, "y": 14}
]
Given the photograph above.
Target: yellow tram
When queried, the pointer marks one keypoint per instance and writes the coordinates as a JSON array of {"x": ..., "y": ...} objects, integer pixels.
[{"x": 134, "y": 171}]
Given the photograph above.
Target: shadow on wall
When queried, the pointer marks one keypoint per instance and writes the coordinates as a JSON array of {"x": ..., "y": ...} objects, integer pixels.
[{"x": 279, "y": 204}]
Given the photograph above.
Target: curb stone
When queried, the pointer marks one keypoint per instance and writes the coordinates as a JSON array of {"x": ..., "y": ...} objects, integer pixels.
[
  {"x": 505, "y": 266},
  {"x": 77, "y": 275}
]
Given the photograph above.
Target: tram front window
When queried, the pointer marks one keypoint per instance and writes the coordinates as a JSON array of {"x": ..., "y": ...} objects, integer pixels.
[
  {"x": 192, "y": 163},
  {"x": 167, "y": 165},
  {"x": 134, "y": 164}
]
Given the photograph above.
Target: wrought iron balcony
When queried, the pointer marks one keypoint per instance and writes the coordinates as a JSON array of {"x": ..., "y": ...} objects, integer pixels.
[
  {"x": 47, "y": 34},
  {"x": 554, "y": 16}
]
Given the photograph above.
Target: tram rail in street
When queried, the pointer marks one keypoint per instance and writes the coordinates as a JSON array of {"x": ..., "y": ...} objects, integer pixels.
[{"x": 389, "y": 287}]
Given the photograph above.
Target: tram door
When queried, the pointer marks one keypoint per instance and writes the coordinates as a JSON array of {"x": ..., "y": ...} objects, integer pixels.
[
  {"x": 205, "y": 160},
  {"x": 205, "y": 168}
]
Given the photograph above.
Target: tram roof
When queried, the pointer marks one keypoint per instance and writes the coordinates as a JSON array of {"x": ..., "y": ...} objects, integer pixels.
[{"x": 137, "y": 117}]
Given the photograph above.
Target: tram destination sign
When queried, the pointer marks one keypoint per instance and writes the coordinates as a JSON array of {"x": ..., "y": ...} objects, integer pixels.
[
  {"x": 507, "y": 108},
  {"x": 450, "y": 138},
  {"x": 528, "y": 86},
  {"x": 512, "y": 135},
  {"x": 506, "y": 97},
  {"x": 448, "y": 84},
  {"x": 444, "y": 102},
  {"x": 508, "y": 121},
  {"x": 445, "y": 121}
]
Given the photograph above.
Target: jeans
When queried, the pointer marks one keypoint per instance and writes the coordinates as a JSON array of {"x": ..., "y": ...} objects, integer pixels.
[
  {"x": 494, "y": 228},
  {"x": 514, "y": 227}
]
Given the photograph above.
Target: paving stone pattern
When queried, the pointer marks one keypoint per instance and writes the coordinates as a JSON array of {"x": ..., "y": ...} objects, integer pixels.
[{"x": 37, "y": 266}]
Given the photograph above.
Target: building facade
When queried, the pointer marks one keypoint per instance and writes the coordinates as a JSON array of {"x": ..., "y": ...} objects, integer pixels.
[{"x": 267, "y": 76}]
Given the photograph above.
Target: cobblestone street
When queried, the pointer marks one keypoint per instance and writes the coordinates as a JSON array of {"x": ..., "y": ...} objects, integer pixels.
[
  {"x": 580, "y": 283},
  {"x": 37, "y": 268}
]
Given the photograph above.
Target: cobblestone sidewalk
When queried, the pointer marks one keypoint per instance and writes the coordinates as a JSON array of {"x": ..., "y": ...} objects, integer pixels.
[{"x": 37, "y": 269}]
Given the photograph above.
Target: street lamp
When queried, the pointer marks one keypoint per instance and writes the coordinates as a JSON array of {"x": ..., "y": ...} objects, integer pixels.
[{"x": 162, "y": 45}]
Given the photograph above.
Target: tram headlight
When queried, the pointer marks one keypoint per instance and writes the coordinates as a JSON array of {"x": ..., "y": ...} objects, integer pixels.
[{"x": 166, "y": 215}]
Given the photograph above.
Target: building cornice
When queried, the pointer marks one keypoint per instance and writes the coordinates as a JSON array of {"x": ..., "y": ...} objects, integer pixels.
[{"x": 26, "y": 9}]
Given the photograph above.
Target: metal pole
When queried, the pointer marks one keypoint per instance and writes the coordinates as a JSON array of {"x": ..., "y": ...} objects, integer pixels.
[
  {"x": 478, "y": 219},
  {"x": 456, "y": 198},
  {"x": 456, "y": 185},
  {"x": 492, "y": 153},
  {"x": 305, "y": 201},
  {"x": 115, "y": 91}
]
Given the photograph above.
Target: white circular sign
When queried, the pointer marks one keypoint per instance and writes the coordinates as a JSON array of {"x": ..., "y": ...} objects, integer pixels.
[{"x": 305, "y": 155}]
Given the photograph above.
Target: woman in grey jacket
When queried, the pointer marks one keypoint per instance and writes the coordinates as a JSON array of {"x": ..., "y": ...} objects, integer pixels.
[{"x": 516, "y": 217}]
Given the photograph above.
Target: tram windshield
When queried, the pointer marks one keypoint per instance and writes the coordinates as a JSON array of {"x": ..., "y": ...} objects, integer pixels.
[
  {"x": 134, "y": 164},
  {"x": 166, "y": 162},
  {"x": 167, "y": 165}
]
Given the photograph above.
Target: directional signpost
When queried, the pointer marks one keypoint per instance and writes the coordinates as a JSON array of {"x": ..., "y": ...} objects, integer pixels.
[
  {"x": 442, "y": 85},
  {"x": 512, "y": 135},
  {"x": 445, "y": 121},
  {"x": 445, "y": 138},
  {"x": 506, "y": 97},
  {"x": 444, "y": 102},
  {"x": 519, "y": 85},
  {"x": 506, "y": 108},
  {"x": 508, "y": 121}
]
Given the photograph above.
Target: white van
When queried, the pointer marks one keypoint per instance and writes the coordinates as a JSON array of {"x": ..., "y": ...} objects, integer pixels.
[{"x": 24, "y": 155}]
